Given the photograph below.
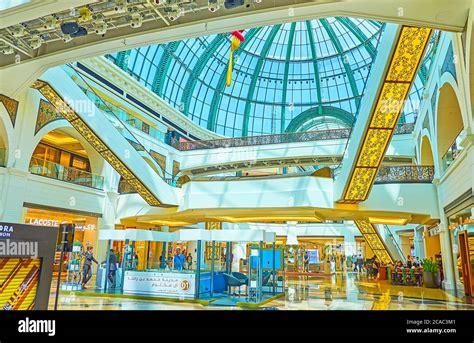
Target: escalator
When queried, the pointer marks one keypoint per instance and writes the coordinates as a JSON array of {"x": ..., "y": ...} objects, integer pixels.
[
  {"x": 381, "y": 242},
  {"x": 117, "y": 145}
]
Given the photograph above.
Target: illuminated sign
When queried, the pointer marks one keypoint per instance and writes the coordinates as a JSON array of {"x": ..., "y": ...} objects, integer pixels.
[
  {"x": 6, "y": 231},
  {"x": 55, "y": 223}
]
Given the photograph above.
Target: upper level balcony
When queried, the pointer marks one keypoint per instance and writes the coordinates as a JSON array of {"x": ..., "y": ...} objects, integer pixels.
[{"x": 59, "y": 172}]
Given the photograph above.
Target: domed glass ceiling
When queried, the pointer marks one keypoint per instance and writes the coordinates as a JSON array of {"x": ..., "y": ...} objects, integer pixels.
[{"x": 290, "y": 77}]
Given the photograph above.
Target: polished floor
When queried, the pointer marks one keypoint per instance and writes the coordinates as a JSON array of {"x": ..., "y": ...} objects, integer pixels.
[{"x": 342, "y": 291}]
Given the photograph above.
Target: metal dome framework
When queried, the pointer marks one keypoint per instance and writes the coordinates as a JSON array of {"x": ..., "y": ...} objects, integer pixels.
[{"x": 280, "y": 73}]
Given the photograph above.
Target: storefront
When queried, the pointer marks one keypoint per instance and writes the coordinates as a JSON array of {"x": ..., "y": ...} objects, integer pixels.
[
  {"x": 461, "y": 227},
  {"x": 86, "y": 224}
]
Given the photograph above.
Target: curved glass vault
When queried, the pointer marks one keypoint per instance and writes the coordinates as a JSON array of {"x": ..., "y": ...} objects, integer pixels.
[{"x": 290, "y": 77}]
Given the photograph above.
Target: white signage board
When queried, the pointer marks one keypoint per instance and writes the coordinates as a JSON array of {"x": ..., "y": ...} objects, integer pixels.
[{"x": 179, "y": 285}]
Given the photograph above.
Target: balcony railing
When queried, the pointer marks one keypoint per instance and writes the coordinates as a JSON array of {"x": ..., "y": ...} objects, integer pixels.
[
  {"x": 293, "y": 137},
  {"x": 3, "y": 154},
  {"x": 405, "y": 174},
  {"x": 59, "y": 172},
  {"x": 125, "y": 188}
]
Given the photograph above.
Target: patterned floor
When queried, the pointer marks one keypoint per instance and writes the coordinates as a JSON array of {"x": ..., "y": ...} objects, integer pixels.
[{"x": 343, "y": 291}]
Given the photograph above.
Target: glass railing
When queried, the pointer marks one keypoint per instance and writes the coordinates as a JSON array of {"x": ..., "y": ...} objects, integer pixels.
[
  {"x": 123, "y": 116},
  {"x": 57, "y": 171},
  {"x": 394, "y": 241},
  {"x": 3, "y": 157},
  {"x": 453, "y": 151},
  {"x": 405, "y": 174}
]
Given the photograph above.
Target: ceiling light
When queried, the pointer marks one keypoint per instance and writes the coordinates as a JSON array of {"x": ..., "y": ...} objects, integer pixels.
[
  {"x": 19, "y": 31},
  {"x": 137, "y": 20},
  {"x": 67, "y": 38},
  {"x": 213, "y": 5},
  {"x": 7, "y": 50},
  {"x": 100, "y": 28},
  {"x": 174, "y": 12},
  {"x": 120, "y": 6},
  {"x": 36, "y": 42},
  {"x": 50, "y": 24}
]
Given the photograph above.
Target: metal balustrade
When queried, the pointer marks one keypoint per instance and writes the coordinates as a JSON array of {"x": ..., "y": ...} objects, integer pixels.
[
  {"x": 292, "y": 137},
  {"x": 405, "y": 174},
  {"x": 63, "y": 173}
]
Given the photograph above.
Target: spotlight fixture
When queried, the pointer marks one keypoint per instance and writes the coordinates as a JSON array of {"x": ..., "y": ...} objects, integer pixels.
[
  {"x": 120, "y": 6},
  {"x": 19, "y": 31},
  {"x": 7, "y": 50},
  {"x": 174, "y": 12},
  {"x": 50, "y": 24},
  {"x": 67, "y": 38},
  {"x": 213, "y": 5},
  {"x": 36, "y": 42},
  {"x": 137, "y": 20},
  {"x": 100, "y": 28}
]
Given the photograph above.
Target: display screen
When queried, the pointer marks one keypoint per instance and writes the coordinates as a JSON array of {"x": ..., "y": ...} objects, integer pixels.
[
  {"x": 19, "y": 279},
  {"x": 268, "y": 259}
]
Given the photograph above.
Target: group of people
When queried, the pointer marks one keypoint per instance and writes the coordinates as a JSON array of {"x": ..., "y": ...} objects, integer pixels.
[
  {"x": 179, "y": 261},
  {"x": 87, "y": 266}
]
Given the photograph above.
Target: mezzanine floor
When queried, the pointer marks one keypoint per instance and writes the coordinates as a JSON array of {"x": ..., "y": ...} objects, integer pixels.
[{"x": 342, "y": 291}]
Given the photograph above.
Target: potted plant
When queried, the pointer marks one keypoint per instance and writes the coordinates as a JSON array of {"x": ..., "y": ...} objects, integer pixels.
[{"x": 431, "y": 276}]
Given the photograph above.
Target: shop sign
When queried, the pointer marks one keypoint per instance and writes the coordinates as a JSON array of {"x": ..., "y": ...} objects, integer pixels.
[
  {"x": 56, "y": 223},
  {"x": 161, "y": 284},
  {"x": 6, "y": 231}
]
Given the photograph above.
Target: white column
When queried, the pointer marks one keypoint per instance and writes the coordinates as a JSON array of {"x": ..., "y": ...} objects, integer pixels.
[
  {"x": 418, "y": 242},
  {"x": 13, "y": 194}
]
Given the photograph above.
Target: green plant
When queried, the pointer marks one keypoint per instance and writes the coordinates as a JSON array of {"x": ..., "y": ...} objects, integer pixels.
[
  {"x": 429, "y": 265},
  {"x": 77, "y": 243}
]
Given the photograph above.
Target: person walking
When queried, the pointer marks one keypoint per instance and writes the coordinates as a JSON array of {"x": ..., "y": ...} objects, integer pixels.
[
  {"x": 87, "y": 268},
  {"x": 360, "y": 262},
  {"x": 112, "y": 267}
]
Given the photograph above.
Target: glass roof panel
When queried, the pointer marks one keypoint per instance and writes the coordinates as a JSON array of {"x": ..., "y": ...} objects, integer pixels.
[{"x": 279, "y": 72}]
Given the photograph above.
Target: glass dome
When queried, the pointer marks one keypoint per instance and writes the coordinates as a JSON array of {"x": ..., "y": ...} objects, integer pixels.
[{"x": 289, "y": 77}]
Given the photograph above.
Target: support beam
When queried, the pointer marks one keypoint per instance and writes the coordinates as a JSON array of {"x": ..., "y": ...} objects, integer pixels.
[
  {"x": 261, "y": 60},
  {"x": 216, "y": 99},
  {"x": 285, "y": 77},
  {"x": 310, "y": 30}
]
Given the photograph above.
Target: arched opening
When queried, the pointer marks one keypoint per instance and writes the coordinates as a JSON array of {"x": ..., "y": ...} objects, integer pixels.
[
  {"x": 449, "y": 125},
  {"x": 63, "y": 157},
  {"x": 426, "y": 155}
]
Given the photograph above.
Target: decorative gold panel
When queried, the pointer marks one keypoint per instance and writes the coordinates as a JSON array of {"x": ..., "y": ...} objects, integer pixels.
[
  {"x": 90, "y": 136},
  {"x": 408, "y": 53},
  {"x": 373, "y": 148},
  {"x": 358, "y": 189},
  {"x": 47, "y": 113},
  {"x": 213, "y": 226},
  {"x": 11, "y": 105},
  {"x": 404, "y": 63},
  {"x": 159, "y": 158},
  {"x": 391, "y": 101},
  {"x": 63, "y": 108},
  {"x": 176, "y": 168},
  {"x": 374, "y": 241}
]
